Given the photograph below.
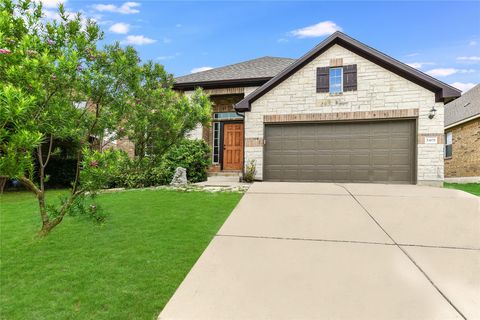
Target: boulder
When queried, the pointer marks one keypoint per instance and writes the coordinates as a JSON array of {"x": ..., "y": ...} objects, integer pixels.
[{"x": 180, "y": 177}]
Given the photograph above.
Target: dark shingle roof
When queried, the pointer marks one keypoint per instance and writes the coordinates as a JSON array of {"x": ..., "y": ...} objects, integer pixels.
[
  {"x": 264, "y": 67},
  {"x": 466, "y": 106}
]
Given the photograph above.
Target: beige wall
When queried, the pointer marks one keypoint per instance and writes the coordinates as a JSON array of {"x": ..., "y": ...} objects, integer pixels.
[
  {"x": 378, "y": 89},
  {"x": 465, "y": 160}
]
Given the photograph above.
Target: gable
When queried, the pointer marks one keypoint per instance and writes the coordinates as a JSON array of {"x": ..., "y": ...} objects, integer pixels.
[
  {"x": 376, "y": 88},
  {"x": 338, "y": 39}
]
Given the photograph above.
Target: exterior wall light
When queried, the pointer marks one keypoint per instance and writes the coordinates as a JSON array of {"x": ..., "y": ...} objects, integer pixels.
[{"x": 432, "y": 112}]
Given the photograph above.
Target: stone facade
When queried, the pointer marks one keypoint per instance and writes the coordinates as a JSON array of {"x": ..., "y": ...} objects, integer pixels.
[
  {"x": 378, "y": 90},
  {"x": 465, "y": 160}
]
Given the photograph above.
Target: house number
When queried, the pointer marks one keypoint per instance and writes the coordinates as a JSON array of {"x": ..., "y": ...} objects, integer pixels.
[{"x": 431, "y": 140}]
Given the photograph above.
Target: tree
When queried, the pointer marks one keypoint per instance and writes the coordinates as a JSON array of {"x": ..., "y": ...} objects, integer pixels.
[
  {"x": 56, "y": 84},
  {"x": 44, "y": 67},
  {"x": 160, "y": 117}
]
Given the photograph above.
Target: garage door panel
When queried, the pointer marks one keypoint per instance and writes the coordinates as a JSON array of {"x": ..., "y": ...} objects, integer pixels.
[
  {"x": 382, "y": 151},
  {"x": 360, "y": 159}
]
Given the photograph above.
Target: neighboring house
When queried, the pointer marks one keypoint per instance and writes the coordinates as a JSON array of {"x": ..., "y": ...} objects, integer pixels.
[
  {"x": 343, "y": 112},
  {"x": 462, "y": 138}
]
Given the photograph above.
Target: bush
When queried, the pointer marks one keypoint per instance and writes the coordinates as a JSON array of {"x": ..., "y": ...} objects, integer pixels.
[
  {"x": 250, "y": 171},
  {"x": 60, "y": 172},
  {"x": 193, "y": 155}
]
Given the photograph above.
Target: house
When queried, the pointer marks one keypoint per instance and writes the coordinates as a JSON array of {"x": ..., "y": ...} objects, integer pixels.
[
  {"x": 343, "y": 112},
  {"x": 462, "y": 138}
]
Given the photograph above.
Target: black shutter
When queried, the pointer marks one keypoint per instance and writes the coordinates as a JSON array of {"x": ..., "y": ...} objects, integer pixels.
[
  {"x": 322, "y": 79},
  {"x": 350, "y": 77}
]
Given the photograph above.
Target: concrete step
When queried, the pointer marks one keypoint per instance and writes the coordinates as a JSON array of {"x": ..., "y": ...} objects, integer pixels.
[{"x": 225, "y": 174}]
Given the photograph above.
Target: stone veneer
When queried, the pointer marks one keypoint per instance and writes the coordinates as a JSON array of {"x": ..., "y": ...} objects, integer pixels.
[
  {"x": 378, "y": 90},
  {"x": 465, "y": 160}
]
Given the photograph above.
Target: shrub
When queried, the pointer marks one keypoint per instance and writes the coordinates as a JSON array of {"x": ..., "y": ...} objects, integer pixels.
[
  {"x": 193, "y": 155},
  {"x": 250, "y": 171},
  {"x": 60, "y": 172}
]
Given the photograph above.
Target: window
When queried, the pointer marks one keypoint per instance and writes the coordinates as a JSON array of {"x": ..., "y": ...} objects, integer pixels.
[
  {"x": 216, "y": 142},
  {"x": 226, "y": 115},
  {"x": 448, "y": 145},
  {"x": 336, "y": 80}
]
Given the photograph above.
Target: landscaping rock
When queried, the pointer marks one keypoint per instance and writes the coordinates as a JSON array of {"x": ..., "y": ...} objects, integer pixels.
[{"x": 180, "y": 177}]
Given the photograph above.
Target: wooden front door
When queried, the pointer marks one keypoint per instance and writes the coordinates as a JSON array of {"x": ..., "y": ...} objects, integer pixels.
[{"x": 232, "y": 146}]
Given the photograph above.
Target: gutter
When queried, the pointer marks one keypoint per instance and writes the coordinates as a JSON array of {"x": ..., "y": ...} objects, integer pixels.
[{"x": 462, "y": 121}]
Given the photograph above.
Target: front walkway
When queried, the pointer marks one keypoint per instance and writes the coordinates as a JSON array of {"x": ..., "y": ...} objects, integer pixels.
[{"x": 327, "y": 251}]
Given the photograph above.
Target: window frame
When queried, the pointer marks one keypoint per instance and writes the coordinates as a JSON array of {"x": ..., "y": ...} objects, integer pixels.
[
  {"x": 446, "y": 149},
  {"x": 330, "y": 75},
  {"x": 216, "y": 142}
]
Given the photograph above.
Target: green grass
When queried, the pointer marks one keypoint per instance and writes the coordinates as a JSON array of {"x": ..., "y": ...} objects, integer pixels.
[
  {"x": 126, "y": 268},
  {"x": 473, "y": 188}
]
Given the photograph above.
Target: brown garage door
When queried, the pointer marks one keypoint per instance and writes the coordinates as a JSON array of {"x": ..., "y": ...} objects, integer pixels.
[{"x": 382, "y": 152}]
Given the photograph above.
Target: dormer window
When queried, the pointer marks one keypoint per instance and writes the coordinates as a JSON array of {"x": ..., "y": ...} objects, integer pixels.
[{"x": 336, "y": 80}]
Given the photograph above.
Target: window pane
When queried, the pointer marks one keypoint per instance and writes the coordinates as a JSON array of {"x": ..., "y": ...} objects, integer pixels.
[
  {"x": 449, "y": 138},
  {"x": 216, "y": 142},
  {"x": 226, "y": 115},
  {"x": 448, "y": 151},
  {"x": 335, "y": 80}
]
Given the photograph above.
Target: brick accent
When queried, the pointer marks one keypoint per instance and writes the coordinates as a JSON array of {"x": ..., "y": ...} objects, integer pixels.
[
  {"x": 224, "y": 91},
  {"x": 336, "y": 62},
  {"x": 439, "y": 136},
  {"x": 253, "y": 142},
  {"x": 465, "y": 160},
  {"x": 123, "y": 144},
  {"x": 224, "y": 103},
  {"x": 339, "y": 116}
]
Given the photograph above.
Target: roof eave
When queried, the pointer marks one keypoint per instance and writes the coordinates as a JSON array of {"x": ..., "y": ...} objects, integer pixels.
[{"x": 218, "y": 84}]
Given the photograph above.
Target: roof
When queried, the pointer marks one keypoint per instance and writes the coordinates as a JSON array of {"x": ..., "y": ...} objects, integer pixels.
[
  {"x": 441, "y": 89},
  {"x": 256, "y": 71},
  {"x": 465, "y": 107}
]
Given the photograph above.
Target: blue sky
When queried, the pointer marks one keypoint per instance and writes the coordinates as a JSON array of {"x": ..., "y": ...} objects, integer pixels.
[{"x": 440, "y": 38}]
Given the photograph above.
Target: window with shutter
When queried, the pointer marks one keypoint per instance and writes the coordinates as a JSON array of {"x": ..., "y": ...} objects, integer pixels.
[
  {"x": 322, "y": 79},
  {"x": 350, "y": 78}
]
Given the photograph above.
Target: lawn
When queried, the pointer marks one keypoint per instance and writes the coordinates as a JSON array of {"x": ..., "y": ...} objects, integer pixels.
[
  {"x": 473, "y": 188},
  {"x": 125, "y": 268}
]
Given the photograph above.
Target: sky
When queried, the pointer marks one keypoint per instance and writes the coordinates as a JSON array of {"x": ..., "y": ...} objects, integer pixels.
[{"x": 440, "y": 38}]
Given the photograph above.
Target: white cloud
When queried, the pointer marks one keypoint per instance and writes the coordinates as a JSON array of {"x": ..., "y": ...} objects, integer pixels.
[
  {"x": 120, "y": 27},
  {"x": 138, "y": 40},
  {"x": 463, "y": 86},
  {"x": 282, "y": 40},
  {"x": 418, "y": 65},
  {"x": 324, "y": 28},
  {"x": 444, "y": 72},
  {"x": 472, "y": 43},
  {"x": 413, "y": 54},
  {"x": 200, "y": 69},
  {"x": 126, "y": 8},
  {"x": 166, "y": 40},
  {"x": 471, "y": 59},
  {"x": 52, "y": 3},
  {"x": 169, "y": 57}
]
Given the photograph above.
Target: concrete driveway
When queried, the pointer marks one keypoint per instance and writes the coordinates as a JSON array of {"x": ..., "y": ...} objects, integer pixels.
[{"x": 339, "y": 251}]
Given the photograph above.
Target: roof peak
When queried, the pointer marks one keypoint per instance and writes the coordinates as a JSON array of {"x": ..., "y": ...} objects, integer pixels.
[{"x": 441, "y": 89}]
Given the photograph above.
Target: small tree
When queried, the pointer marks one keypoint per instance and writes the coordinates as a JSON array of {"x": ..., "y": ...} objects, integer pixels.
[
  {"x": 44, "y": 70},
  {"x": 56, "y": 84},
  {"x": 161, "y": 117}
]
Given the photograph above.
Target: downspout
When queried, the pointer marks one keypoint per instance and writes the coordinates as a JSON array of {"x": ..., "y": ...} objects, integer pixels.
[{"x": 242, "y": 116}]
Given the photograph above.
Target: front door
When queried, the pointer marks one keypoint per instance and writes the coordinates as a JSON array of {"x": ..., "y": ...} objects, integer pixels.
[{"x": 232, "y": 146}]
